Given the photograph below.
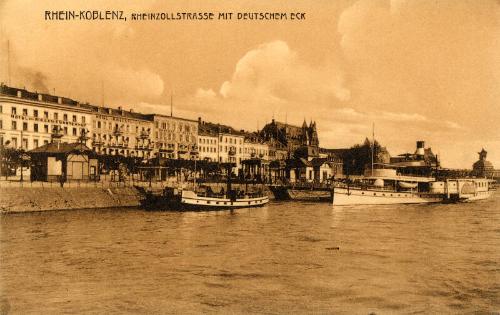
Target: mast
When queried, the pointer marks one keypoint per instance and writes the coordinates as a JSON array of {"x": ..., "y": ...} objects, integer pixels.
[
  {"x": 171, "y": 105},
  {"x": 373, "y": 145},
  {"x": 8, "y": 60},
  {"x": 194, "y": 176}
]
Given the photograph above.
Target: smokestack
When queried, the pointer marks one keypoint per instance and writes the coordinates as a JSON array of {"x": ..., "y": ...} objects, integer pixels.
[{"x": 420, "y": 148}]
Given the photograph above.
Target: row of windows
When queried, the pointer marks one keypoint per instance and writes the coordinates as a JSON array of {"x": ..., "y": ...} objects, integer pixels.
[
  {"x": 124, "y": 152},
  {"x": 227, "y": 149},
  {"x": 208, "y": 149},
  {"x": 98, "y": 136},
  {"x": 123, "y": 128},
  {"x": 25, "y": 143},
  {"x": 172, "y": 127},
  {"x": 175, "y": 137},
  {"x": 256, "y": 151},
  {"x": 208, "y": 141},
  {"x": 55, "y": 116},
  {"x": 40, "y": 128},
  {"x": 212, "y": 149},
  {"x": 231, "y": 140}
]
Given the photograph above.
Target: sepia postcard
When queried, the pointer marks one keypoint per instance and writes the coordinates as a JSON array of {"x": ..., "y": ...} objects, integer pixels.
[{"x": 249, "y": 157}]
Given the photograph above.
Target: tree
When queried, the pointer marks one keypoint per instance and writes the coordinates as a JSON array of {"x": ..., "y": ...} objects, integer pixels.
[
  {"x": 11, "y": 159},
  {"x": 359, "y": 157}
]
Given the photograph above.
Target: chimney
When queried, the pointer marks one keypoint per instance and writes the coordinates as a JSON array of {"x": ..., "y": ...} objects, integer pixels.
[
  {"x": 40, "y": 98},
  {"x": 19, "y": 93},
  {"x": 199, "y": 120},
  {"x": 420, "y": 148}
]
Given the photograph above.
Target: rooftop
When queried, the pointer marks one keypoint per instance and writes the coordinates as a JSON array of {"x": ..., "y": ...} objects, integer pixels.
[{"x": 62, "y": 147}]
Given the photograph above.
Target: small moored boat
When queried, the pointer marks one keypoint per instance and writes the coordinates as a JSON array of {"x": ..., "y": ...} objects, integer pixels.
[{"x": 203, "y": 198}]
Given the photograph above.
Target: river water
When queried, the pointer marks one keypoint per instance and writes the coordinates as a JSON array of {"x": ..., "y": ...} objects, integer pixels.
[{"x": 300, "y": 258}]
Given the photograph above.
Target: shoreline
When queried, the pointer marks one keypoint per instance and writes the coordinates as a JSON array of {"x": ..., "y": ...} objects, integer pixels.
[
  {"x": 37, "y": 199},
  {"x": 28, "y": 198}
]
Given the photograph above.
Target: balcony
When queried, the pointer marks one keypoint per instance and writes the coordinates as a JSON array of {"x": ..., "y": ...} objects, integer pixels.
[
  {"x": 142, "y": 147},
  {"x": 119, "y": 144},
  {"x": 232, "y": 151},
  {"x": 183, "y": 148},
  {"x": 144, "y": 134},
  {"x": 167, "y": 147}
]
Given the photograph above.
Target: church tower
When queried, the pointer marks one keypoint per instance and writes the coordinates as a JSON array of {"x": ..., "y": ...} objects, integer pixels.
[
  {"x": 305, "y": 133},
  {"x": 314, "y": 141}
]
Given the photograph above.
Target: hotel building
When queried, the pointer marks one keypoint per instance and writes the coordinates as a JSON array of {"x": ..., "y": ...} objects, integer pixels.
[
  {"x": 208, "y": 142},
  {"x": 254, "y": 147},
  {"x": 175, "y": 137},
  {"x": 121, "y": 132},
  {"x": 224, "y": 144},
  {"x": 229, "y": 144},
  {"x": 29, "y": 120}
]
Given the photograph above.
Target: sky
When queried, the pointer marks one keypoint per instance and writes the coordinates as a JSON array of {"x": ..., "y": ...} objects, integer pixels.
[{"x": 416, "y": 69}]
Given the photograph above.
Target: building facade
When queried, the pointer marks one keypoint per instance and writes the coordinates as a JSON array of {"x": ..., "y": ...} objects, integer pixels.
[
  {"x": 231, "y": 149},
  {"x": 298, "y": 141},
  {"x": 175, "y": 137},
  {"x": 254, "y": 147},
  {"x": 121, "y": 132},
  {"x": 28, "y": 120},
  {"x": 208, "y": 145},
  {"x": 230, "y": 143}
]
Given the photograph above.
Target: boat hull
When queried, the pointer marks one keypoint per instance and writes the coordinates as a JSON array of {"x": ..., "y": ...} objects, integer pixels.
[
  {"x": 304, "y": 194},
  {"x": 479, "y": 195},
  {"x": 189, "y": 201},
  {"x": 344, "y": 196}
]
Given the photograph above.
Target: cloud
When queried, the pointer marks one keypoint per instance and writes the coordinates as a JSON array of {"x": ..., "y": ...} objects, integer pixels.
[
  {"x": 274, "y": 73},
  {"x": 432, "y": 58},
  {"x": 205, "y": 93},
  {"x": 425, "y": 69},
  {"x": 142, "y": 84}
]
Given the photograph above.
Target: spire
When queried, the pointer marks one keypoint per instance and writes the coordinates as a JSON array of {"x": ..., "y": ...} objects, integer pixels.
[{"x": 482, "y": 154}]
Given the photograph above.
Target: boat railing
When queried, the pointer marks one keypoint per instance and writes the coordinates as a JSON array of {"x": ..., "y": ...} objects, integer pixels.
[
  {"x": 360, "y": 186},
  {"x": 240, "y": 194}
]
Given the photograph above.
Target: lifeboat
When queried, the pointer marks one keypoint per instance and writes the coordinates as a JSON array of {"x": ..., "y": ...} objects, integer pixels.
[{"x": 407, "y": 185}]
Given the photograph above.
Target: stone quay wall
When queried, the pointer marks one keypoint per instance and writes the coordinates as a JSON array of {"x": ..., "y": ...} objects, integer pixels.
[
  {"x": 26, "y": 199},
  {"x": 42, "y": 196}
]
